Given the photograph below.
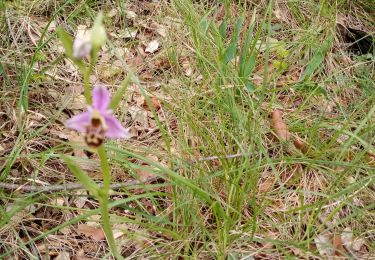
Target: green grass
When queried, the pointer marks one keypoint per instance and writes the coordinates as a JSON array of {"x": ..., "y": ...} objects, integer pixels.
[{"x": 206, "y": 208}]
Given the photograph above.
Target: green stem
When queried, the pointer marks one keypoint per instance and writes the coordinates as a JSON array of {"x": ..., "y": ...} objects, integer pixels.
[
  {"x": 86, "y": 80},
  {"x": 103, "y": 200},
  {"x": 87, "y": 71}
]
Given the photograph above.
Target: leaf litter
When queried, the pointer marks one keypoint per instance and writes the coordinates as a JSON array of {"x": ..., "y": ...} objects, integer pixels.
[{"x": 139, "y": 111}]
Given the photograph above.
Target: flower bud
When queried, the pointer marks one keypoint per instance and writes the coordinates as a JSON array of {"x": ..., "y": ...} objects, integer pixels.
[
  {"x": 81, "y": 48},
  {"x": 82, "y": 43},
  {"x": 98, "y": 34}
]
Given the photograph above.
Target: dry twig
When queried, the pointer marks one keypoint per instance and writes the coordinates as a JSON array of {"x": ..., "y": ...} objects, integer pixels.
[{"x": 68, "y": 186}]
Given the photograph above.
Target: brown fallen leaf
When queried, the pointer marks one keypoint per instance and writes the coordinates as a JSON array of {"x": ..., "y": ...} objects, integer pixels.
[
  {"x": 155, "y": 103},
  {"x": 144, "y": 175},
  {"x": 338, "y": 245},
  {"x": 280, "y": 127},
  {"x": 93, "y": 232},
  {"x": 282, "y": 132},
  {"x": 266, "y": 184}
]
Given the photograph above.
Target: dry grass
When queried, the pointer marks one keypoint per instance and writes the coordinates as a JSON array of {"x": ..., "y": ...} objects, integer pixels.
[{"x": 309, "y": 175}]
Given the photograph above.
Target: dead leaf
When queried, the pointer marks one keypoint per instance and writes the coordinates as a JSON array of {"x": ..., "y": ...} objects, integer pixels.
[
  {"x": 188, "y": 71},
  {"x": 93, "y": 232},
  {"x": 266, "y": 184},
  {"x": 93, "y": 221},
  {"x": 280, "y": 127},
  {"x": 358, "y": 244},
  {"x": 144, "y": 175},
  {"x": 338, "y": 245},
  {"x": 78, "y": 102},
  {"x": 130, "y": 14},
  {"x": 152, "y": 47},
  {"x": 270, "y": 235},
  {"x": 155, "y": 103},
  {"x": 139, "y": 115},
  {"x": 160, "y": 29},
  {"x": 324, "y": 245},
  {"x": 283, "y": 133},
  {"x": 59, "y": 201},
  {"x": 81, "y": 198},
  {"x": 347, "y": 238}
]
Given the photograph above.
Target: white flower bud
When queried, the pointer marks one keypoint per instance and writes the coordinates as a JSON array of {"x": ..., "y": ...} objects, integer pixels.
[
  {"x": 82, "y": 43},
  {"x": 81, "y": 48}
]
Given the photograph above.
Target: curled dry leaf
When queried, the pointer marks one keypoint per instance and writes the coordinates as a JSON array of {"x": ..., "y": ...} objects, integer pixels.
[
  {"x": 92, "y": 232},
  {"x": 280, "y": 127},
  {"x": 283, "y": 133},
  {"x": 152, "y": 47}
]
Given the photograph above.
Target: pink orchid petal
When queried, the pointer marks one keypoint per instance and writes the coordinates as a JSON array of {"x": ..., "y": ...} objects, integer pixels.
[
  {"x": 115, "y": 129},
  {"x": 100, "y": 98},
  {"x": 79, "y": 122}
]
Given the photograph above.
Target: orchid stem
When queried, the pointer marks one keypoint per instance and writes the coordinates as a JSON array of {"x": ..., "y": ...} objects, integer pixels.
[
  {"x": 86, "y": 79},
  {"x": 103, "y": 200},
  {"x": 87, "y": 71}
]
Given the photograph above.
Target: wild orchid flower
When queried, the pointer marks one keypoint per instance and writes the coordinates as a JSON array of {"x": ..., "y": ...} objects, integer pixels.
[{"x": 98, "y": 122}]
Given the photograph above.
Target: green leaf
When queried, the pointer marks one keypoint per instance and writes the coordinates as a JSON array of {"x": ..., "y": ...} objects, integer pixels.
[
  {"x": 67, "y": 41},
  {"x": 120, "y": 93},
  {"x": 82, "y": 176},
  {"x": 250, "y": 86},
  {"x": 317, "y": 59},
  {"x": 249, "y": 66},
  {"x": 203, "y": 25},
  {"x": 223, "y": 29},
  {"x": 247, "y": 56},
  {"x": 231, "y": 50}
]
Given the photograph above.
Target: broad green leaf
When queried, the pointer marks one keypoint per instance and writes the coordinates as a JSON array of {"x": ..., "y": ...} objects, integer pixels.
[
  {"x": 203, "y": 25},
  {"x": 87, "y": 182},
  {"x": 231, "y": 50},
  {"x": 67, "y": 41},
  {"x": 249, "y": 66},
  {"x": 223, "y": 29},
  {"x": 250, "y": 86}
]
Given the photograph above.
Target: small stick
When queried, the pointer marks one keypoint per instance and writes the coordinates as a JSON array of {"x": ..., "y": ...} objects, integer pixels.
[{"x": 68, "y": 186}]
